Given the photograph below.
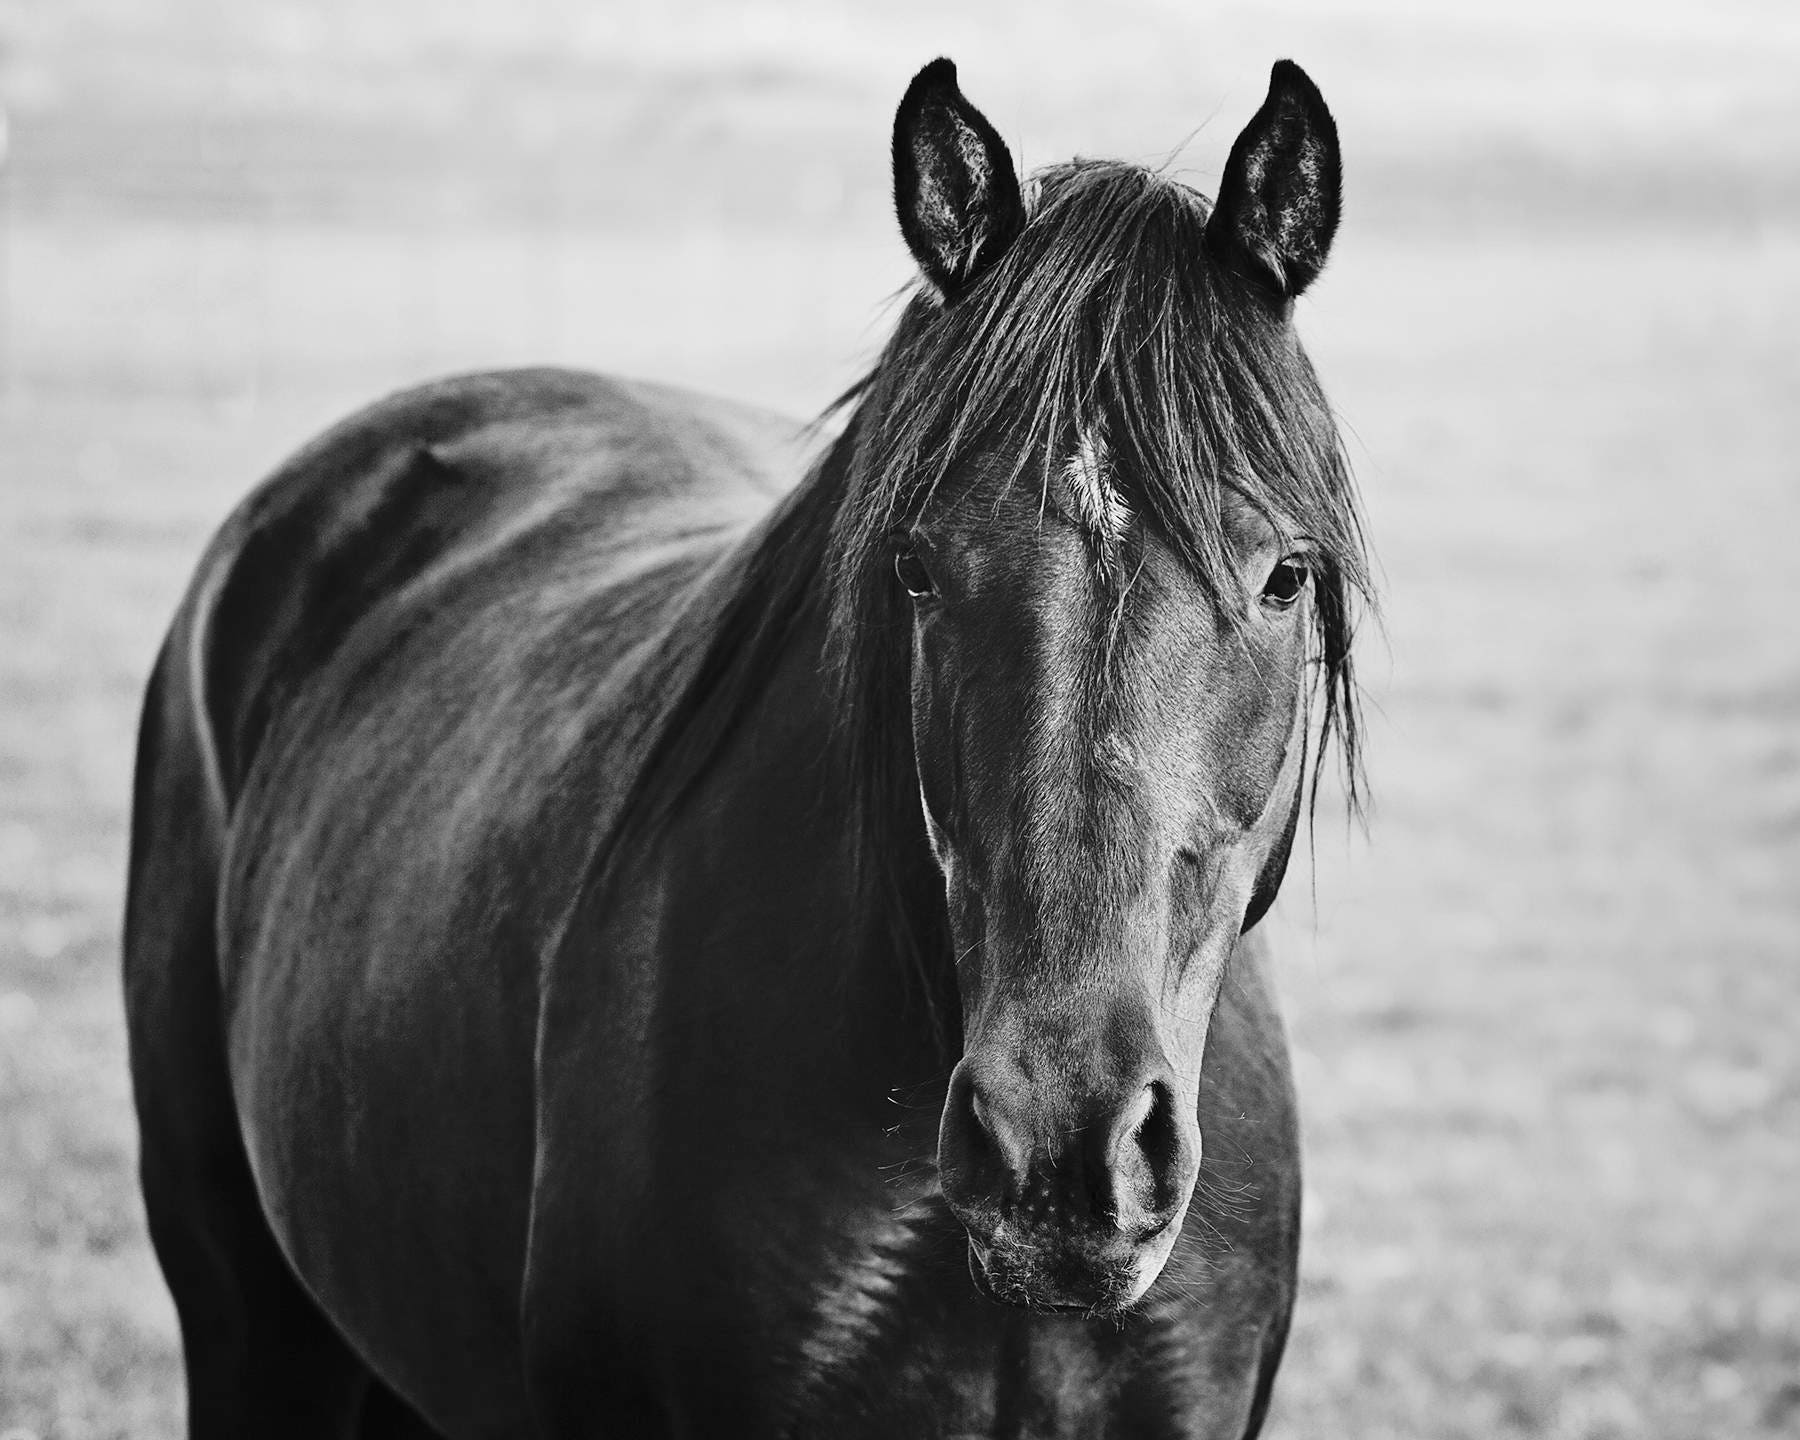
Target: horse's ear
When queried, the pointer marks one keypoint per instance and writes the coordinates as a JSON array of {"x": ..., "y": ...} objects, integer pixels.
[
  {"x": 954, "y": 184},
  {"x": 1281, "y": 193}
]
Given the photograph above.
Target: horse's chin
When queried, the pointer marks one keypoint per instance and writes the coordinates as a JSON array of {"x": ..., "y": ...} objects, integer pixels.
[{"x": 1045, "y": 1275}]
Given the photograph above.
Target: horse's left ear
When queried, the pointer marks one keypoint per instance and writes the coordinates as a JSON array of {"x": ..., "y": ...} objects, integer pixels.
[
  {"x": 1281, "y": 193},
  {"x": 954, "y": 184}
]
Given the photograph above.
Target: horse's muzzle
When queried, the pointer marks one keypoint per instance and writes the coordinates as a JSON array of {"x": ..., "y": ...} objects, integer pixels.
[
  {"x": 1072, "y": 1193},
  {"x": 1051, "y": 1273}
]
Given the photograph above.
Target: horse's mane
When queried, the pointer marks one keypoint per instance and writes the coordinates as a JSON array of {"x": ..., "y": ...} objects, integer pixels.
[{"x": 1107, "y": 316}]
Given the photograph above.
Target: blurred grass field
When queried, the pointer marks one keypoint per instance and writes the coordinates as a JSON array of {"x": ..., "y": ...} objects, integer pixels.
[{"x": 1545, "y": 1013}]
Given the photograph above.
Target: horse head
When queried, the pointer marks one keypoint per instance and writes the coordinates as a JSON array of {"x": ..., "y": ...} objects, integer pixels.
[{"x": 1099, "y": 499}]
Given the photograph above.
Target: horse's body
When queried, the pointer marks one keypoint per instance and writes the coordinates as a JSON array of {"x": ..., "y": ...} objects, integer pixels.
[
  {"x": 516, "y": 1051},
  {"x": 368, "y": 708}
]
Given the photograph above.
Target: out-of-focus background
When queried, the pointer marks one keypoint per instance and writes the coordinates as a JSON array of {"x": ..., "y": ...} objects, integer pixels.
[{"x": 1545, "y": 1013}]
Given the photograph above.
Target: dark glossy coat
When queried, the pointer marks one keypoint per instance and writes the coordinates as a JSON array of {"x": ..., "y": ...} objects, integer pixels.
[{"x": 517, "y": 1049}]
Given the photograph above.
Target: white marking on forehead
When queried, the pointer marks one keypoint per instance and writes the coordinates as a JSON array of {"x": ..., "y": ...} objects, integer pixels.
[
  {"x": 1114, "y": 753},
  {"x": 1096, "y": 501}
]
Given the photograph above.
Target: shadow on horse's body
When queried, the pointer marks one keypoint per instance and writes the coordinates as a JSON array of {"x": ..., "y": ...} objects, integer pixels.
[{"x": 568, "y": 1081}]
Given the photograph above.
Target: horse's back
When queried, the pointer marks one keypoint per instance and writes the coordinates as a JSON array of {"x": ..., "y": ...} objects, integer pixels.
[
  {"x": 406, "y": 684},
  {"x": 518, "y": 470}
]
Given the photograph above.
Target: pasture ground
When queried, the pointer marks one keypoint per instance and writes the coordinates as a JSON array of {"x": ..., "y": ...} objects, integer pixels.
[{"x": 1545, "y": 1011}]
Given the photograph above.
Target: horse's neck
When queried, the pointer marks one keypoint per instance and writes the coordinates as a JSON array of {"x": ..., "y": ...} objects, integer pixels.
[{"x": 839, "y": 904}]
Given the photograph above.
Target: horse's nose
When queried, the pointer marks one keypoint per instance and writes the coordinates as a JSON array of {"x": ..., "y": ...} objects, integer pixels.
[{"x": 1114, "y": 1154}]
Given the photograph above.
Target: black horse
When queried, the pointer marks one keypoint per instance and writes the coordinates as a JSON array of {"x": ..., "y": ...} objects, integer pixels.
[{"x": 620, "y": 944}]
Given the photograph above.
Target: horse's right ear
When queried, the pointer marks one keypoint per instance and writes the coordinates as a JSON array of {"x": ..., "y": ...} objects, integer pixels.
[{"x": 954, "y": 184}]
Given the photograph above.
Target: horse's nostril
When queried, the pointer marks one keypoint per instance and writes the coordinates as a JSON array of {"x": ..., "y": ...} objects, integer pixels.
[
  {"x": 1148, "y": 1163},
  {"x": 999, "y": 1136},
  {"x": 1135, "y": 1115},
  {"x": 1159, "y": 1133},
  {"x": 980, "y": 1154}
]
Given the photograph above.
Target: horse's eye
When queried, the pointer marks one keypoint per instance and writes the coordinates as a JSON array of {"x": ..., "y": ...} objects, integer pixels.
[
  {"x": 913, "y": 574},
  {"x": 1285, "y": 582}
]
